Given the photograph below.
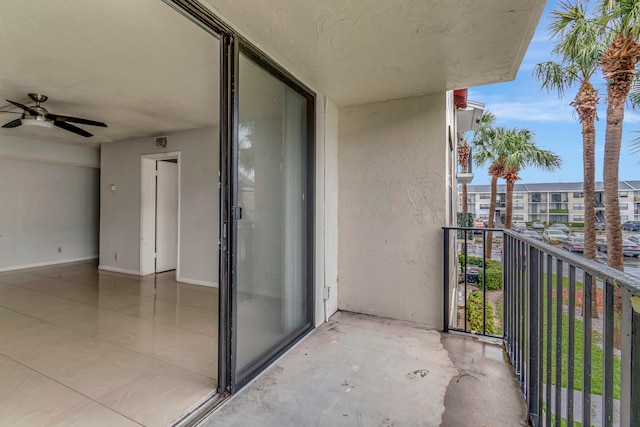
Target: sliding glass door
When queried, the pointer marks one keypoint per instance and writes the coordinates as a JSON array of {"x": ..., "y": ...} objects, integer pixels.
[{"x": 273, "y": 219}]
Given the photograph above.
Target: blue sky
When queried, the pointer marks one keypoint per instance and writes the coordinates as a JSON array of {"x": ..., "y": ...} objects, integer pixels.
[{"x": 522, "y": 103}]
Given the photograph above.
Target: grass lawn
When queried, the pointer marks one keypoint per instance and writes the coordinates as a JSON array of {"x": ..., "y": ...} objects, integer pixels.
[{"x": 596, "y": 358}]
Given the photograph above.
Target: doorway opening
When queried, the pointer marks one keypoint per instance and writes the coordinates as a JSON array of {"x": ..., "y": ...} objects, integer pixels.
[{"x": 160, "y": 214}]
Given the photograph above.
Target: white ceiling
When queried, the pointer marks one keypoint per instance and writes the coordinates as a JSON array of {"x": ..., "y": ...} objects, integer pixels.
[
  {"x": 358, "y": 51},
  {"x": 144, "y": 69},
  {"x": 136, "y": 65}
]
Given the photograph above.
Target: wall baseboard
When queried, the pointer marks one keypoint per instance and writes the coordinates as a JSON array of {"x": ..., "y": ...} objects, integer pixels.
[
  {"x": 48, "y": 263},
  {"x": 118, "y": 270},
  {"x": 197, "y": 282}
]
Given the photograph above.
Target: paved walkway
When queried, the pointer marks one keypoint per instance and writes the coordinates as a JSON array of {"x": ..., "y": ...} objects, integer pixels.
[{"x": 361, "y": 370}]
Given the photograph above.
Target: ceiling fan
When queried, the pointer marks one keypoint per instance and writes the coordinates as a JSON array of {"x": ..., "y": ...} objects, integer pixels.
[{"x": 38, "y": 116}]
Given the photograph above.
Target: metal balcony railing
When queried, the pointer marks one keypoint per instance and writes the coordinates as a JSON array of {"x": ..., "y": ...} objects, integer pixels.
[{"x": 571, "y": 326}]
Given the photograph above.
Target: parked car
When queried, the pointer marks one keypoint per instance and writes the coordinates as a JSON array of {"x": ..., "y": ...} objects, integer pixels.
[
  {"x": 576, "y": 234},
  {"x": 533, "y": 234},
  {"x": 537, "y": 226},
  {"x": 630, "y": 248},
  {"x": 478, "y": 224},
  {"x": 635, "y": 238},
  {"x": 553, "y": 236},
  {"x": 631, "y": 225},
  {"x": 519, "y": 227},
  {"x": 601, "y": 246},
  {"x": 559, "y": 226},
  {"x": 600, "y": 226},
  {"x": 573, "y": 244}
]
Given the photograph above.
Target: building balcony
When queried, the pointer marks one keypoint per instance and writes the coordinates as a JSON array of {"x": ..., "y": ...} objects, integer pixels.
[
  {"x": 368, "y": 371},
  {"x": 575, "y": 352}
]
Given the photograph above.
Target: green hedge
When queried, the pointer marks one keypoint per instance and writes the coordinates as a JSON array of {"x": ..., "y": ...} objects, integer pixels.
[
  {"x": 474, "y": 313},
  {"x": 494, "y": 271},
  {"x": 494, "y": 279}
]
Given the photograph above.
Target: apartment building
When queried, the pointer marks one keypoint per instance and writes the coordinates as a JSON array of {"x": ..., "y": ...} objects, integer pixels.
[{"x": 552, "y": 202}]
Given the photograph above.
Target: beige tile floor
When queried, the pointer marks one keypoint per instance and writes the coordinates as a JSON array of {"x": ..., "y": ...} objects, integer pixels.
[{"x": 79, "y": 347}]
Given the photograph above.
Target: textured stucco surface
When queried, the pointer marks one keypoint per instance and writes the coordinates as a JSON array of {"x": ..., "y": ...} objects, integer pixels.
[
  {"x": 392, "y": 206},
  {"x": 372, "y": 50}
]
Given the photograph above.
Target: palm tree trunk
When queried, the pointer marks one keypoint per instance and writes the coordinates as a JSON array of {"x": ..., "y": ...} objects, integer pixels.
[
  {"x": 464, "y": 191},
  {"x": 492, "y": 213},
  {"x": 610, "y": 173},
  {"x": 509, "y": 203},
  {"x": 618, "y": 64},
  {"x": 586, "y": 102}
]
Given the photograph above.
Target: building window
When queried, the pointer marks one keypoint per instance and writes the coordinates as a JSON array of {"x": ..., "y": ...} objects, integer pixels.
[
  {"x": 622, "y": 194},
  {"x": 578, "y": 206},
  {"x": 518, "y": 196},
  {"x": 485, "y": 196},
  {"x": 578, "y": 218},
  {"x": 484, "y": 206},
  {"x": 624, "y": 206},
  {"x": 482, "y": 216},
  {"x": 518, "y": 217},
  {"x": 558, "y": 197},
  {"x": 518, "y": 206},
  {"x": 624, "y": 218},
  {"x": 578, "y": 195},
  {"x": 537, "y": 197},
  {"x": 471, "y": 198}
]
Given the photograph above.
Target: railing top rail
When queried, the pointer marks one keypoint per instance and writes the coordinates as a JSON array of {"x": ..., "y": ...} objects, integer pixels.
[
  {"x": 594, "y": 268},
  {"x": 472, "y": 229}
]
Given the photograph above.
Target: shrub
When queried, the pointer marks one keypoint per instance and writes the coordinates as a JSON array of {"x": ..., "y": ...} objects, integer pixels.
[
  {"x": 471, "y": 260},
  {"x": 494, "y": 278},
  {"x": 474, "y": 313},
  {"x": 494, "y": 271}
]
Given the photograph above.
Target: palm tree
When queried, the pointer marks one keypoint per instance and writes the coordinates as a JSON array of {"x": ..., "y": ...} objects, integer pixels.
[
  {"x": 483, "y": 140},
  {"x": 517, "y": 149},
  {"x": 464, "y": 151},
  {"x": 621, "y": 20},
  {"x": 580, "y": 50}
]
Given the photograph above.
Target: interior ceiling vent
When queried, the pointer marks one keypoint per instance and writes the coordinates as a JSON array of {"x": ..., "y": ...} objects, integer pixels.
[{"x": 161, "y": 141}]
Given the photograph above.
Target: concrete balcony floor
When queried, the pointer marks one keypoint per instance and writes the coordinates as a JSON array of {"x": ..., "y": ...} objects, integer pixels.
[{"x": 360, "y": 370}]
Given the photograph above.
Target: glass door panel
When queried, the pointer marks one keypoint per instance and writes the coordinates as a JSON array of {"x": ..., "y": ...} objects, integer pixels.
[{"x": 272, "y": 278}]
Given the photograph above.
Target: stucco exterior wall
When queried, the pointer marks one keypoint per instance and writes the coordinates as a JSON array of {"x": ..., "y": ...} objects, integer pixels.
[{"x": 393, "y": 202}]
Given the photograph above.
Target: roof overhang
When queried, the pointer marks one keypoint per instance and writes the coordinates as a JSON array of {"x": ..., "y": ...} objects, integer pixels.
[{"x": 371, "y": 50}]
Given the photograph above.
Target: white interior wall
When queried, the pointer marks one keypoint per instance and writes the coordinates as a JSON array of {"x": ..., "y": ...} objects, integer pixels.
[
  {"x": 49, "y": 203},
  {"x": 199, "y": 204},
  {"x": 393, "y": 204}
]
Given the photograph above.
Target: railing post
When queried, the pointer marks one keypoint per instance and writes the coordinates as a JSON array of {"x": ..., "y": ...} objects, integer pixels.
[
  {"x": 634, "y": 356},
  {"x": 626, "y": 321},
  {"x": 608, "y": 342},
  {"x": 586, "y": 349},
  {"x": 446, "y": 280},
  {"x": 533, "y": 385}
]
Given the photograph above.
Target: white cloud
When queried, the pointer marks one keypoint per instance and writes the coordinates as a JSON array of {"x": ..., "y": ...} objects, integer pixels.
[{"x": 539, "y": 111}]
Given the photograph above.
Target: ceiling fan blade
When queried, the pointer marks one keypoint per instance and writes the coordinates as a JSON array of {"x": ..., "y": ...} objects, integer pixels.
[
  {"x": 13, "y": 123},
  {"x": 72, "y": 128},
  {"x": 25, "y": 107},
  {"x": 60, "y": 118}
]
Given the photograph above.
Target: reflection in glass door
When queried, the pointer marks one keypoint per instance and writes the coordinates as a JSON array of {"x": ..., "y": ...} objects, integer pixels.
[{"x": 273, "y": 222}]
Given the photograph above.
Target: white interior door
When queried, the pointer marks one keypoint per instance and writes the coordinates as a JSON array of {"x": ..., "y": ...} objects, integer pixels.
[{"x": 166, "y": 216}]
